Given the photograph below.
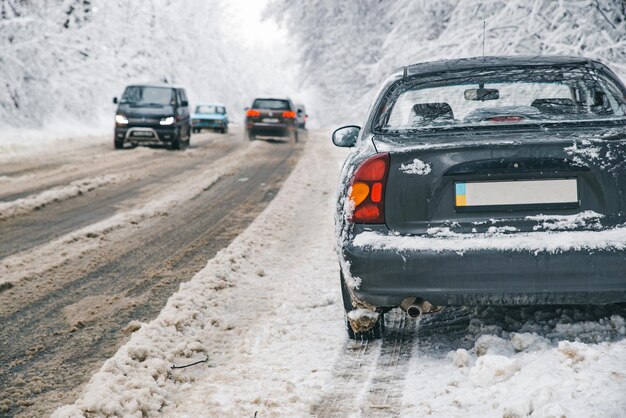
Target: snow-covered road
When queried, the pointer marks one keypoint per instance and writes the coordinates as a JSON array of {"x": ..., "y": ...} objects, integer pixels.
[
  {"x": 77, "y": 273},
  {"x": 266, "y": 315}
]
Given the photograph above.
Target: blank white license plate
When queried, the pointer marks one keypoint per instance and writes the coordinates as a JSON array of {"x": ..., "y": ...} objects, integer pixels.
[
  {"x": 516, "y": 193},
  {"x": 270, "y": 120},
  {"x": 142, "y": 133}
]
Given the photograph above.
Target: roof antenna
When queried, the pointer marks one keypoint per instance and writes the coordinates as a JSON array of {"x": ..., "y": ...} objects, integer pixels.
[{"x": 484, "y": 24}]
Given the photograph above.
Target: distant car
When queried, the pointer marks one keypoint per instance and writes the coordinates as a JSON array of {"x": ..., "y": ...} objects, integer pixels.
[
  {"x": 271, "y": 117},
  {"x": 301, "y": 116},
  {"x": 496, "y": 180},
  {"x": 210, "y": 116},
  {"x": 151, "y": 114}
]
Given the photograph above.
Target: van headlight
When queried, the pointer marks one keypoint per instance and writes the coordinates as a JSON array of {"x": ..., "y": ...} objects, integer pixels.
[
  {"x": 167, "y": 121},
  {"x": 121, "y": 119}
]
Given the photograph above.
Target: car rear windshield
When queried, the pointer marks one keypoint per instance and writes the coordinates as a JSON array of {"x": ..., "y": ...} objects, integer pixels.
[
  {"x": 149, "y": 96},
  {"x": 507, "y": 96},
  {"x": 209, "y": 110},
  {"x": 273, "y": 104}
]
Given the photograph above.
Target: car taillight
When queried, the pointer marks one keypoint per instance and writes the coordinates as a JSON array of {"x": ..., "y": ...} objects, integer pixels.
[
  {"x": 253, "y": 113},
  {"x": 367, "y": 190},
  {"x": 289, "y": 115}
]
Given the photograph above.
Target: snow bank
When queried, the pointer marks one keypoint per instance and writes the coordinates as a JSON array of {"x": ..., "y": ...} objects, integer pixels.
[
  {"x": 266, "y": 311},
  {"x": 57, "y": 194},
  {"x": 522, "y": 362}
]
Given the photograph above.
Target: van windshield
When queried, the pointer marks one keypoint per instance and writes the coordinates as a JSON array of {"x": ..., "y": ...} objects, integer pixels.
[
  {"x": 505, "y": 96},
  {"x": 149, "y": 96}
]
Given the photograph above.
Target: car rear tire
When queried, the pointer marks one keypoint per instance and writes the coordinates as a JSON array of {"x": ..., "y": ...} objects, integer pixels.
[
  {"x": 375, "y": 333},
  {"x": 295, "y": 136},
  {"x": 118, "y": 144},
  {"x": 225, "y": 130},
  {"x": 251, "y": 137}
]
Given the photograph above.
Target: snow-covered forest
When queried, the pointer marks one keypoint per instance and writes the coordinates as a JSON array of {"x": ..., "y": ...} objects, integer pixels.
[
  {"x": 62, "y": 61},
  {"x": 347, "y": 48}
]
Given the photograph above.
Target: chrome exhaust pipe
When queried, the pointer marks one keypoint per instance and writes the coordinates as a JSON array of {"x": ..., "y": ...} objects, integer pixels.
[{"x": 415, "y": 307}]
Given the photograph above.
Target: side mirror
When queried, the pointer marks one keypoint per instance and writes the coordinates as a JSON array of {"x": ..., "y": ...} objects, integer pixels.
[
  {"x": 299, "y": 112},
  {"x": 115, "y": 100},
  {"x": 346, "y": 136},
  {"x": 184, "y": 103}
]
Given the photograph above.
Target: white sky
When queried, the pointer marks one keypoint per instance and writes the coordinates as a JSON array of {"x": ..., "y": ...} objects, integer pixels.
[{"x": 252, "y": 29}]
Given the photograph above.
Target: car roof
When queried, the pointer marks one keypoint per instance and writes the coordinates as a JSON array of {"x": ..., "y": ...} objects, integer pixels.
[
  {"x": 162, "y": 85},
  {"x": 491, "y": 62},
  {"x": 272, "y": 98},
  {"x": 210, "y": 104}
]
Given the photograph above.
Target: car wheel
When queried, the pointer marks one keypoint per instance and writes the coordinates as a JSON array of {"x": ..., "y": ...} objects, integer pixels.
[
  {"x": 295, "y": 136},
  {"x": 375, "y": 333},
  {"x": 225, "y": 130},
  {"x": 119, "y": 144},
  {"x": 176, "y": 144},
  {"x": 251, "y": 136}
]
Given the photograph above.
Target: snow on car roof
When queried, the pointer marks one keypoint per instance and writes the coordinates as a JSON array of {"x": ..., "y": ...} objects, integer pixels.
[
  {"x": 162, "y": 85},
  {"x": 493, "y": 61}
]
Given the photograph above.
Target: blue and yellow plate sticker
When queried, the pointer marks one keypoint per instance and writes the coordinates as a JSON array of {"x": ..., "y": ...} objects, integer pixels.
[{"x": 461, "y": 194}]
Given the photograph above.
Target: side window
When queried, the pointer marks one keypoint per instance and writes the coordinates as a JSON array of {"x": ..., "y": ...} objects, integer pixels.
[{"x": 183, "y": 95}]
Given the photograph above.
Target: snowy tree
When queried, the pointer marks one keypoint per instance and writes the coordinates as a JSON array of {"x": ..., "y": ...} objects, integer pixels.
[
  {"x": 347, "y": 48},
  {"x": 61, "y": 61}
]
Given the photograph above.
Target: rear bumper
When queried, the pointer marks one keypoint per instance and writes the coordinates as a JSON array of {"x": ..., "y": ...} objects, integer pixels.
[
  {"x": 201, "y": 123},
  {"x": 488, "y": 276},
  {"x": 263, "y": 129}
]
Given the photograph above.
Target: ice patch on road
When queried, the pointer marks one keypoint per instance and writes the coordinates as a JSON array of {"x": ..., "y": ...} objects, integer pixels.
[{"x": 57, "y": 194}]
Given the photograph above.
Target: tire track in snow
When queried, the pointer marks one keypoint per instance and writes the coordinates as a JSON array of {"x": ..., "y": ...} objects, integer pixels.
[{"x": 369, "y": 377}]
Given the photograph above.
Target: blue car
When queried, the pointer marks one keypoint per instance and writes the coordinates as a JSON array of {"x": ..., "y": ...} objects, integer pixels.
[{"x": 210, "y": 116}]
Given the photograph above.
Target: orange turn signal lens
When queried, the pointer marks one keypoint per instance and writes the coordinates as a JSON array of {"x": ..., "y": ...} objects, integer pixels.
[{"x": 359, "y": 193}]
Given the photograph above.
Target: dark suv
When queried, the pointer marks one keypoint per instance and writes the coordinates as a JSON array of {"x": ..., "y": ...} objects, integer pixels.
[
  {"x": 272, "y": 117},
  {"x": 150, "y": 114}
]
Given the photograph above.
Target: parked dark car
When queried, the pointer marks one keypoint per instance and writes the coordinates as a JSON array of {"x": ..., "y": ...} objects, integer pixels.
[
  {"x": 497, "y": 180},
  {"x": 152, "y": 114},
  {"x": 210, "y": 116},
  {"x": 271, "y": 117},
  {"x": 301, "y": 116}
]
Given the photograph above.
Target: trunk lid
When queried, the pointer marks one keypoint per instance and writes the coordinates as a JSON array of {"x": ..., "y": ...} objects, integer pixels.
[{"x": 506, "y": 181}]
